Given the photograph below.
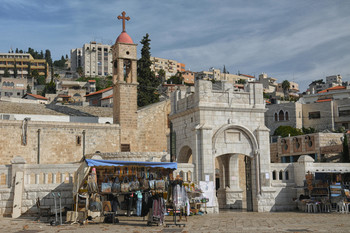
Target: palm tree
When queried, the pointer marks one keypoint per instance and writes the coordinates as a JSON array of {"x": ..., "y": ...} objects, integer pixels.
[{"x": 285, "y": 87}]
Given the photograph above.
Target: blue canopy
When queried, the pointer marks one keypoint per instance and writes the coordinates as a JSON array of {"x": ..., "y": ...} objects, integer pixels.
[{"x": 98, "y": 162}]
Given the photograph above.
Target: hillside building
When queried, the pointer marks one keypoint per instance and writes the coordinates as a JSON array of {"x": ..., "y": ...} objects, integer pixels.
[{"x": 95, "y": 59}]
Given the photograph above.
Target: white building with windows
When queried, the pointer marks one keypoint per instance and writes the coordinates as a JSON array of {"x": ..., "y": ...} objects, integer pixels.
[{"x": 94, "y": 58}]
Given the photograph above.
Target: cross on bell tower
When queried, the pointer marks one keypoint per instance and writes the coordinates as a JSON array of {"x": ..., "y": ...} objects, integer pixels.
[
  {"x": 124, "y": 18},
  {"x": 124, "y": 53}
]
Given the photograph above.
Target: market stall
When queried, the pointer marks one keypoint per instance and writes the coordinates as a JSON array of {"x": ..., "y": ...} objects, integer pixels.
[
  {"x": 325, "y": 191},
  {"x": 104, "y": 189}
]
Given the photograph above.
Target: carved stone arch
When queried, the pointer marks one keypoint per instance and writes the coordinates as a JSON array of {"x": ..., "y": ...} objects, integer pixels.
[
  {"x": 250, "y": 136},
  {"x": 185, "y": 155},
  {"x": 286, "y": 116}
]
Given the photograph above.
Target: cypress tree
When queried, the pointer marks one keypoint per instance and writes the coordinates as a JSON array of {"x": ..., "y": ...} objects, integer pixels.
[{"x": 148, "y": 82}]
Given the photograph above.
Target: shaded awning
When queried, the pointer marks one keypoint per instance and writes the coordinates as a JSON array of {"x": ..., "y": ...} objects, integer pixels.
[{"x": 115, "y": 163}]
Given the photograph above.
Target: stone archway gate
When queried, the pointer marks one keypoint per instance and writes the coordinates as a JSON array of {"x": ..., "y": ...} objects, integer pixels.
[{"x": 215, "y": 119}]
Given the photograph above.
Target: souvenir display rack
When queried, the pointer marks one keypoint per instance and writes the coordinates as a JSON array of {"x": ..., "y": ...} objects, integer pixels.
[{"x": 105, "y": 182}]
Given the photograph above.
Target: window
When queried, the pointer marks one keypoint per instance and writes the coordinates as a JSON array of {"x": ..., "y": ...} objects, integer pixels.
[
  {"x": 286, "y": 175},
  {"x": 274, "y": 175},
  {"x": 78, "y": 140},
  {"x": 276, "y": 117},
  {"x": 281, "y": 116},
  {"x": 314, "y": 115},
  {"x": 125, "y": 147},
  {"x": 280, "y": 175},
  {"x": 344, "y": 112},
  {"x": 287, "y": 116}
]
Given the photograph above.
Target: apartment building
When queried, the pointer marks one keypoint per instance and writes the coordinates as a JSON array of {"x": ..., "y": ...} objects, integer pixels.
[
  {"x": 292, "y": 91},
  {"x": 171, "y": 67},
  {"x": 94, "y": 58},
  {"x": 217, "y": 75},
  {"x": 188, "y": 76},
  {"x": 21, "y": 64},
  {"x": 319, "y": 85},
  {"x": 326, "y": 110},
  {"x": 14, "y": 87}
]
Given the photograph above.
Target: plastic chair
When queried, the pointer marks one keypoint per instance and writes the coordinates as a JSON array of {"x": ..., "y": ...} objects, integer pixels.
[
  {"x": 316, "y": 207},
  {"x": 309, "y": 207},
  {"x": 341, "y": 207}
]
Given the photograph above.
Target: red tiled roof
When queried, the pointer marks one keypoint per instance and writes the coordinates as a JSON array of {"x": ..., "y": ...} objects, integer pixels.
[
  {"x": 268, "y": 102},
  {"x": 107, "y": 97},
  {"x": 92, "y": 81},
  {"x": 124, "y": 38},
  {"x": 324, "y": 100},
  {"x": 249, "y": 76},
  {"x": 332, "y": 89},
  {"x": 100, "y": 91},
  {"x": 37, "y": 96}
]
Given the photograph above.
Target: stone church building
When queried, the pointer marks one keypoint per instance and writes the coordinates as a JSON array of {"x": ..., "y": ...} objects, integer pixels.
[{"x": 217, "y": 135}]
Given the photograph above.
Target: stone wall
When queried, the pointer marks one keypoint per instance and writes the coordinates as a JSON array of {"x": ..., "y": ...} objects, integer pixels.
[
  {"x": 153, "y": 127},
  {"x": 55, "y": 142},
  {"x": 40, "y": 181},
  {"x": 308, "y": 144}
]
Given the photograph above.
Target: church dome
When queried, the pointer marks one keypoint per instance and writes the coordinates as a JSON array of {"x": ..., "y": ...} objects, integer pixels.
[{"x": 124, "y": 38}]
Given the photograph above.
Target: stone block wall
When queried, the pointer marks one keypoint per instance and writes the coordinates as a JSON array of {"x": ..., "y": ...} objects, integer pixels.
[
  {"x": 40, "y": 181},
  {"x": 56, "y": 142},
  {"x": 153, "y": 127}
]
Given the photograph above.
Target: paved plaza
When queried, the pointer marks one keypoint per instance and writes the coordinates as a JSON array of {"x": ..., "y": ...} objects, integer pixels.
[{"x": 226, "y": 221}]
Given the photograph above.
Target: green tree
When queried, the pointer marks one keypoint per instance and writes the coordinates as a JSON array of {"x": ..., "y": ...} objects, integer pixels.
[
  {"x": 224, "y": 70},
  {"x": 161, "y": 75},
  {"x": 285, "y": 131},
  {"x": 242, "y": 81},
  {"x": 6, "y": 73},
  {"x": 29, "y": 90},
  {"x": 308, "y": 130},
  {"x": 50, "y": 88},
  {"x": 41, "y": 80},
  {"x": 15, "y": 69},
  {"x": 80, "y": 71},
  {"x": 345, "y": 154},
  {"x": 60, "y": 63},
  {"x": 175, "y": 79},
  {"x": 285, "y": 87},
  {"x": 35, "y": 74},
  {"x": 148, "y": 83}
]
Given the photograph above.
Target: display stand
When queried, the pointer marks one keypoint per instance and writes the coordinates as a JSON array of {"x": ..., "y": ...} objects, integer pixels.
[{"x": 106, "y": 172}]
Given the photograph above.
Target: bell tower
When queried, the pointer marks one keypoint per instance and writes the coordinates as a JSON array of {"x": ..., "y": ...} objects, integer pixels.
[{"x": 125, "y": 88}]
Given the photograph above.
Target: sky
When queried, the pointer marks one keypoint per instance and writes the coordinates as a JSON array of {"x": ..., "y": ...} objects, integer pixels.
[{"x": 299, "y": 40}]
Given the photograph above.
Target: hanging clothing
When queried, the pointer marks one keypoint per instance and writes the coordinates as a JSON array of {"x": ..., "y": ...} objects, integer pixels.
[
  {"x": 179, "y": 196},
  {"x": 138, "y": 194}
]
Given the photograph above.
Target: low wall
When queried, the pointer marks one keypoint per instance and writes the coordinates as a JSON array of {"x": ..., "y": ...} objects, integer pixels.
[{"x": 39, "y": 181}]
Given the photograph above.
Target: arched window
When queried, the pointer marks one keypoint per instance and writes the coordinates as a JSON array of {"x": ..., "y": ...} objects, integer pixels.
[
  {"x": 287, "y": 116},
  {"x": 274, "y": 175},
  {"x": 276, "y": 117},
  {"x": 286, "y": 175},
  {"x": 280, "y": 175},
  {"x": 189, "y": 176},
  {"x": 281, "y": 116},
  {"x": 181, "y": 174}
]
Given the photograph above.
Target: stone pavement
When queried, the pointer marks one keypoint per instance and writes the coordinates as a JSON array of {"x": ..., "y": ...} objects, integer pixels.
[{"x": 226, "y": 221}]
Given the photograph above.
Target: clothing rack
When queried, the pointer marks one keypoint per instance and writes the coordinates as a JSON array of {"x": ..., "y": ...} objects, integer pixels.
[{"x": 177, "y": 180}]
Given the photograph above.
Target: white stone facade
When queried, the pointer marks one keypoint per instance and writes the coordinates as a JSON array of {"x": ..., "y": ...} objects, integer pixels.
[{"x": 213, "y": 127}]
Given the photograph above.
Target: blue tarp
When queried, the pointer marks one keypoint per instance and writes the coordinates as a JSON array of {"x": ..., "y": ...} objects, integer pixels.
[{"x": 97, "y": 162}]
